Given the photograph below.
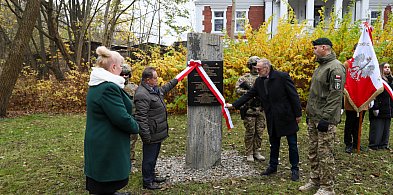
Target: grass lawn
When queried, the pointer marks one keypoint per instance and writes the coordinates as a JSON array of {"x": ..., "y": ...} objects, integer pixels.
[{"x": 43, "y": 154}]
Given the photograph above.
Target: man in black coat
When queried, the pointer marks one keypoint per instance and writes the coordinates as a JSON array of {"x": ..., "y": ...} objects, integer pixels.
[{"x": 281, "y": 103}]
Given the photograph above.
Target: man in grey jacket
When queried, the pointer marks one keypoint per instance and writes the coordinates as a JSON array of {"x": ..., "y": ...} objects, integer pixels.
[{"x": 151, "y": 115}]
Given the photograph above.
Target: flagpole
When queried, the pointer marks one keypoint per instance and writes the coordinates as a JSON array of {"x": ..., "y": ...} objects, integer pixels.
[{"x": 359, "y": 130}]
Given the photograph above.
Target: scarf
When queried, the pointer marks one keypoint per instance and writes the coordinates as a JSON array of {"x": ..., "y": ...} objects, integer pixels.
[{"x": 100, "y": 75}]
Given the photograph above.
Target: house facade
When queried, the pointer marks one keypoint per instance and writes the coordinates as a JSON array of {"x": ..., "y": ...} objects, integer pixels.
[{"x": 215, "y": 16}]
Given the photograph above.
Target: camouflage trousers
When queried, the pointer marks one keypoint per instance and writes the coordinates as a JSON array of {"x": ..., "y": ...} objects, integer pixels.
[
  {"x": 321, "y": 155},
  {"x": 254, "y": 126},
  {"x": 134, "y": 139}
]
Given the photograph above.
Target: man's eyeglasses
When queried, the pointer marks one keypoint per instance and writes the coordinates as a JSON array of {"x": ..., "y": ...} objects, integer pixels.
[
  {"x": 261, "y": 68},
  {"x": 125, "y": 74}
]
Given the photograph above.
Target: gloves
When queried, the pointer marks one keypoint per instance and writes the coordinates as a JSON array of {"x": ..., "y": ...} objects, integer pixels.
[
  {"x": 245, "y": 85},
  {"x": 375, "y": 112},
  {"x": 323, "y": 126}
]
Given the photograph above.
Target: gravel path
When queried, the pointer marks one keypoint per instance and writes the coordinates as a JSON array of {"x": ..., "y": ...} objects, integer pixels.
[{"x": 232, "y": 165}]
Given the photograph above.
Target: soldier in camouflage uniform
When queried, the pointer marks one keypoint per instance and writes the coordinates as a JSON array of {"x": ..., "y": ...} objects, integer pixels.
[
  {"x": 130, "y": 88},
  {"x": 323, "y": 114},
  {"x": 251, "y": 113}
]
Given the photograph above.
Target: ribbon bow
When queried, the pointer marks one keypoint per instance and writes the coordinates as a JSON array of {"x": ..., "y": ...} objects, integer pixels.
[{"x": 194, "y": 63}]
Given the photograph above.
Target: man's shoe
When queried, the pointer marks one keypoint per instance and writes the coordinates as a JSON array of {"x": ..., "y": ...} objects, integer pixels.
[
  {"x": 322, "y": 191},
  {"x": 363, "y": 149},
  {"x": 308, "y": 186},
  {"x": 270, "y": 170},
  {"x": 122, "y": 193},
  {"x": 383, "y": 148},
  {"x": 250, "y": 158},
  {"x": 258, "y": 156},
  {"x": 295, "y": 175},
  {"x": 372, "y": 148},
  {"x": 348, "y": 149},
  {"x": 151, "y": 186},
  {"x": 159, "y": 179}
]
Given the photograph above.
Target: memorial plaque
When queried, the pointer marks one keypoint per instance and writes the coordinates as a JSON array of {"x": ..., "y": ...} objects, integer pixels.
[{"x": 198, "y": 92}]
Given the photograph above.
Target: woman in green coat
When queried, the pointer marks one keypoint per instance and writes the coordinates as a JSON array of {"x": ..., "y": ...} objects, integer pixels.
[{"x": 108, "y": 126}]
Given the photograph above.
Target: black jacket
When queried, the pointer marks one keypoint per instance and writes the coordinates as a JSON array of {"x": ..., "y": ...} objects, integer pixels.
[
  {"x": 281, "y": 102},
  {"x": 151, "y": 113},
  {"x": 383, "y": 103}
]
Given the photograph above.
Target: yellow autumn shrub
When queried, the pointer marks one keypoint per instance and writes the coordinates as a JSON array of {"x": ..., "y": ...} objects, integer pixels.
[
  {"x": 289, "y": 50},
  {"x": 32, "y": 95}
]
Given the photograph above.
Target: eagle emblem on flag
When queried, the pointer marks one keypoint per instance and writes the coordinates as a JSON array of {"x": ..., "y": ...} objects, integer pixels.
[{"x": 362, "y": 67}]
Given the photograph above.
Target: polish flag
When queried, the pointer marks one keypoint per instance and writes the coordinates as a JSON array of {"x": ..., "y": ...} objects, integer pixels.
[{"x": 363, "y": 79}]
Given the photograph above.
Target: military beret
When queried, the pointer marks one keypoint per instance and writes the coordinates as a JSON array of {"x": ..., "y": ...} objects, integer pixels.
[{"x": 322, "y": 41}]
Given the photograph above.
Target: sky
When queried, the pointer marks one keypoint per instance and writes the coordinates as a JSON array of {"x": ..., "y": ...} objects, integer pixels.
[{"x": 168, "y": 40}]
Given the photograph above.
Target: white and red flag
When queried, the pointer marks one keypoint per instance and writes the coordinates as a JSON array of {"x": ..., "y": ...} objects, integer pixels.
[{"x": 363, "y": 79}]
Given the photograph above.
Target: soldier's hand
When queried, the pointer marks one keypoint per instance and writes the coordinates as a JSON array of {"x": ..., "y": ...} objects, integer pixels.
[
  {"x": 228, "y": 105},
  {"x": 245, "y": 85},
  {"x": 298, "y": 119},
  {"x": 323, "y": 126}
]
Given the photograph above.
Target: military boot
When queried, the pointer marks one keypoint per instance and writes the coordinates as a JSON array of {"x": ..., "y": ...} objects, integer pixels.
[
  {"x": 250, "y": 158},
  {"x": 258, "y": 156},
  {"x": 308, "y": 186},
  {"x": 323, "y": 191}
]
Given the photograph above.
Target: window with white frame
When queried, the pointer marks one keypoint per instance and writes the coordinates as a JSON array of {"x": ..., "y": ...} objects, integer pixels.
[
  {"x": 374, "y": 17},
  {"x": 218, "y": 21},
  {"x": 240, "y": 21}
]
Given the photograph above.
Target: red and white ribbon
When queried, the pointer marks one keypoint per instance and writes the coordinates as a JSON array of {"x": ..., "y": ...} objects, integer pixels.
[
  {"x": 209, "y": 83},
  {"x": 387, "y": 88},
  {"x": 191, "y": 66}
]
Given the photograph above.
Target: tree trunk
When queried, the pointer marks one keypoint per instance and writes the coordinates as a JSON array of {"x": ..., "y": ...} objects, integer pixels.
[
  {"x": 53, "y": 32},
  {"x": 106, "y": 22},
  {"x": 4, "y": 44},
  {"x": 82, "y": 34},
  {"x": 42, "y": 67},
  {"x": 111, "y": 24},
  {"x": 14, "y": 62},
  {"x": 152, "y": 20},
  {"x": 55, "y": 65}
]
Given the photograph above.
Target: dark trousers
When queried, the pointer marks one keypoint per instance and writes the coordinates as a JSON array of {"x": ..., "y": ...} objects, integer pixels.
[
  {"x": 275, "y": 151},
  {"x": 379, "y": 133},
  {"x": 150, "y": 155},
  {"x": 351, "y": 128},
  {"x": 104, "y": 188}
]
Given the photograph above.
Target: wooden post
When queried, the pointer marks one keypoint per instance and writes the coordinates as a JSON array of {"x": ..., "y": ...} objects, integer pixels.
[{"x": 204, "y": 122}]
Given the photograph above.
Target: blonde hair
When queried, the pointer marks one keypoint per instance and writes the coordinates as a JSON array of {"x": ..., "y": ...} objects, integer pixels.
[{"x": 107, "y": 57}]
